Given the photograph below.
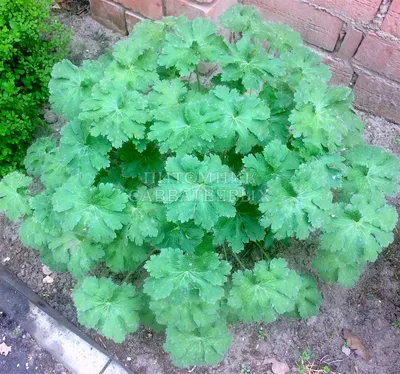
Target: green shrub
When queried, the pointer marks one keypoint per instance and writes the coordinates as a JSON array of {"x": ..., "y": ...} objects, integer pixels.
[
  {"x": 31, "y": 42},
  {"x": 196, "y": 181}
]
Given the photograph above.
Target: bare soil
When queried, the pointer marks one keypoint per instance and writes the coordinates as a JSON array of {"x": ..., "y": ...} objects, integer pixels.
[{"x": 367, "y": 310}]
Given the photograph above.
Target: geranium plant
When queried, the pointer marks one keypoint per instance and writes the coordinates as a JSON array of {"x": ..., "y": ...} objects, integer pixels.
[{"x": 171, "y": 181}]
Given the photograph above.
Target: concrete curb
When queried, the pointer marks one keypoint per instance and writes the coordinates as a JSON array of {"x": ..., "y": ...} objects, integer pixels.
[{"x": 53, "y": 332}]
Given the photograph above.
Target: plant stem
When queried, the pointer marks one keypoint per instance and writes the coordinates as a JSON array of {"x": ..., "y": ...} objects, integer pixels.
[
  {"x": 262, "y": 250},
  {"x": 198, "y": 77},
  {"x": 226, "y": 255},
  {"x": 139, "y": 266},
  {"x": 238, "y": 260},
  {"x": 173, "y": 72},
  {"x": 128, "y": 276}
]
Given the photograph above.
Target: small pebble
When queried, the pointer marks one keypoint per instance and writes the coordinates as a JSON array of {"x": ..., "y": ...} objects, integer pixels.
[
  {"x": 50, "y": 117},
  {"x": 46, "y": 270},
  {"x": 346, "y": 350},
  {"x": 48, "y": 280},
  {"x": 128, "y": 359},
  {"x": 312, "y": 320}
]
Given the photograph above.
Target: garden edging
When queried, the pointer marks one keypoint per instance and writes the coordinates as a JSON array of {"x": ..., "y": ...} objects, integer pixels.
[{"x": 64, "y": 341}]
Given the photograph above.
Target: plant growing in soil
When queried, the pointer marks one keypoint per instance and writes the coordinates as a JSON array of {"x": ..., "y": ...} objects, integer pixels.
[{"x": 182, "y": 187}]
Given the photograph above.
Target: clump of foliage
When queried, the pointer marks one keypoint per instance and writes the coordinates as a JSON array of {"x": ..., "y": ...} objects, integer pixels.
[
  {"x": 31, "y": 42},
  {"x": 172, "y": 181}
]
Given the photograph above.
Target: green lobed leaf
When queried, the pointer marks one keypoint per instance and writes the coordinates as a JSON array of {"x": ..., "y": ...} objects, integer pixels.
[
  {"x": 134, "y": 66},
  {"x": 186, "y": 129},
  {"x": 76, "y": 251},
  {"x": 36, "y": 154},
  {"x": 338, "y": 267},
  {"x": 263, "y": 293},
  {"x": 301, "y": 63},
  {"x": 109, "y": 308},
  {"x": 55, "y": 169},
  {"x": 83, "y": 152},
  {"x": 97, "y": 209},
  {"x": 185, "y": 290},
  {"x": 371, "y": 170},
  {"x": 199, "y": 190},
  {"x": 14, "y": 197},
  {"x": 146, "y": 165},
  {"x": 115, "y": 112},
  {"x": 331, "y": 168},
  {"x": 299, "y": 206},
  {"x": 167, "y": 95},
  {"x": 281, "y": 38},
  {"x": 186, "y": 236},
  {"x": 205, "y": 346},
  {"x": 145, "y": 216},
  {"x": 147, "y": 317},
  {"x": 280, "y": 99},
  {"x": 323, "y": 116},
  {"x": 171, "y": 270},
  {"x": 275, "y": 161},
  {"x": 308, "y": 300},
  {"x": 191, "y": 42},
  {"x": 216, "y": 80},
  {"x": 185, "y": 311},
  {"x": 49, "y": 219},
  {"x": 242, "y": 118},
  {"x": 240, "y": 18},
  {"x": 70, "y": 85},
  {"x": 123, "y": 254},
  {"x": 46, "y": 256},
  {"x": 149, "y": 34},
  {"x": 241, "y": 229},
  {"x": 32, "y": 234},
  {"x": 361, "y": 228},
  {"x": 206, "y": 246},
  {"x": 250, "y": 63}
]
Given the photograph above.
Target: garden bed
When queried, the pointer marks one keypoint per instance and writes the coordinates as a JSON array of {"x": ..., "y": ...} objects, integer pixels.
[{"x": 368, "y": 310}]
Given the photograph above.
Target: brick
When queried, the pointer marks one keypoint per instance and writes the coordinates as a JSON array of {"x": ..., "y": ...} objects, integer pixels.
[
  {"x": 380, "y": 55},
  {"x": 316, "y": 26},
  {"x": 391, "y": 24},
  {"x": 350, "y": 44},
  {"x": 379, "y": 96},
  {"x": 109, "y": 15},
  {"x": 193, "y": 10},
  {"x": 131, "y": 20},
  {"x": 342, "y": 71},
  {"x": 359, "y": 10},
  {"x": 152, "y": 9}
]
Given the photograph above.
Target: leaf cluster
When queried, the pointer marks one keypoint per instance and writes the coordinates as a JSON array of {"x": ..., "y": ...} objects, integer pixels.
[{"x": 170, "y": 179}]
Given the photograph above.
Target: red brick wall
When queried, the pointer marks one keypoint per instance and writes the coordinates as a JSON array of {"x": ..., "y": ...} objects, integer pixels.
[
  {"x": 358, "y": 39},
  {"x": 122, "y": 15}
]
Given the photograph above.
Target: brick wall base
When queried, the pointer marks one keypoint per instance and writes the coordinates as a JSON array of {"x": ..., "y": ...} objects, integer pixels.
[{"x": 358, "y": 39}]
